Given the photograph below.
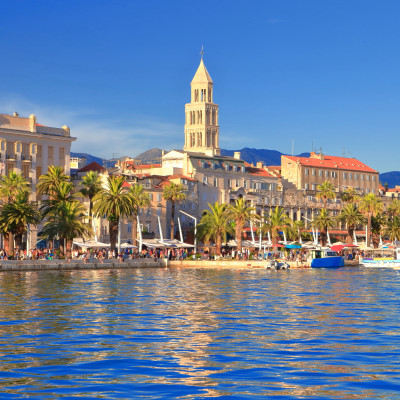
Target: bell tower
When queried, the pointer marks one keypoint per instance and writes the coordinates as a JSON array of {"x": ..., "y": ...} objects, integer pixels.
[{"x": 201, "y": 115}]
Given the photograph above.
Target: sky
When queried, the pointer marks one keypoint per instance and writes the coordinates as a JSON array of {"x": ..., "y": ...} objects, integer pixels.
[{"x": 288, "y": 74}]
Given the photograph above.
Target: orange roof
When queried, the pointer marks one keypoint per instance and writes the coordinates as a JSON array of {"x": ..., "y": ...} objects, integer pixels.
[
  {"x": 333, "y": 162},
  {"x": 259, "y": 172},
  {"x": 147, "y": 166},
  {"x": 182, "y": 177}
]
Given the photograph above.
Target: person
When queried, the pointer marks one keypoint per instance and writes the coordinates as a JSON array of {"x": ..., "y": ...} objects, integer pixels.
[{"x": 100, "y": 257}]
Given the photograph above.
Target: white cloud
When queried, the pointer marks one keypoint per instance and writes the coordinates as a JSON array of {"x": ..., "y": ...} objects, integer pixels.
[{"x": 102, "y": 136}]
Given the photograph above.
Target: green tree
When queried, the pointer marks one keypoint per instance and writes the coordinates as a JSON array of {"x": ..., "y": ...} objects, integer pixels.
[
  {"x": 214, "y": 224},
  {"x": 114, "y": 202},
  {"x": 349, "y": 195},
  {"x": 392, "y": 228},
  {"x": 62, "y": 193},
  {"x": 67, "y": 223},
  {"x": 325, "y": 192},
  {"x": 394, "y": 208},
  {"x": 91, "y": 185},
  {"x": 323, "y": 222},
  {"x": 241, "y": 213},
  {"x": 16, "y": 215},
  {"x": 140, "y": 199},
  {"x": 174, "y": 193},
  {"x": 378, "y": 222},
  {"x": 278, "y": 221},
  {"x": 351, "y": 216},
  {"x": 49, "y": 182},
  {"x": 370, "y": 205}
]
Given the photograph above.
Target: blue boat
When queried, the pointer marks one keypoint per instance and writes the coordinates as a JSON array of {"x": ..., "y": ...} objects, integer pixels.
[{"x": 326, "y": 258}]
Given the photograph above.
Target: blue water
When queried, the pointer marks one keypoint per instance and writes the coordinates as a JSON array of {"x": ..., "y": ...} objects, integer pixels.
[{"x": 199, "y": 334}]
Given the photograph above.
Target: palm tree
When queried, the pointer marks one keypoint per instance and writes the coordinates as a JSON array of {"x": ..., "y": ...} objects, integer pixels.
[
  {"x": 214, "y": 224},
  {"x": 16, "y": 215},
  {"x": 91, "y": 184},
  {"x": 13, "y": 184},
  {"x": 174, "y": 193},
  {"x": 67, "y": 223},
  {"x": 323, "y": 222},
  {"x": 392, "y": 228},
  {"x": 394, "y": 208},
  {"x": 370, "y": 205},
  {"x": 325, "y": 191},
  {"x": 378, "y": 221},
  {"x": 298, "y": 227},
  {"x": 48, "y": 182},
  {"x": 351, "y": 216},
  {"x": 114, "y": 202},
  {"x": 278, "y": 221},
  {"x": 240, "y": 212},
  {"x": 10, "y": 186},
  {"x": 349, "y": 195},
  {"x": 139, "y": 199},
  {"x": 62, "y": 193}
]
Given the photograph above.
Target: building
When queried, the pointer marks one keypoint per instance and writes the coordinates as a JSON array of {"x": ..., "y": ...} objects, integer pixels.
[
  {"x": 306, "y": 173},
  {"x": 29, "y": 148}
]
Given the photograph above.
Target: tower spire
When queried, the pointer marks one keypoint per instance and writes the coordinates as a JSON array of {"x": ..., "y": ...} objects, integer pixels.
[{"x": 202, "y": 52}]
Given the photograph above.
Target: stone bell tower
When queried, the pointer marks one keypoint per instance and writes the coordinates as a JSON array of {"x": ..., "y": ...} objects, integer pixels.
[{"x": 201, "y": 123}]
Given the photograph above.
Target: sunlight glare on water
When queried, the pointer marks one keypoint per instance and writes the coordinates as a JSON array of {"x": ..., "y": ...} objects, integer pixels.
[{"x": 200, "y": 333}]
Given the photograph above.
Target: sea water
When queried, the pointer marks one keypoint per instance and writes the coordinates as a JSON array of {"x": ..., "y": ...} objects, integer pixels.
[{"x": 200, "y": 333}]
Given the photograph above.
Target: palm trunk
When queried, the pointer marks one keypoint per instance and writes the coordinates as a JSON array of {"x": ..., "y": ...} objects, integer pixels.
[
  {"x": 134, "y": 229},
  {"x": 69, "y": 244},
  {"x": 369, "y": 229},
  {"x": 350, "y": 234},
  {"x": 18, "y": 241},
  {"x": 238, "y": 233},
  {"x": 172, "y": 219},
  {"x": 323, "y": 237},
  {"x": 6, "y": 242},
  {"x": 10, "y": 243},
  {"x": 113, "y": 228},
  {"x": 218, "y": 245}
]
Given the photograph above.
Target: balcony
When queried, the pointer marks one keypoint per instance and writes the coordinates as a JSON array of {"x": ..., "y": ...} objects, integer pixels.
[
  {"x": 11, "y": 156},
  {"x": 26, "y": 158}
]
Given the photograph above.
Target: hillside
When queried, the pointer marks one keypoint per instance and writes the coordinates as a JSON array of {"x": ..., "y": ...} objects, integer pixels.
[{"x": 391, "y": 178}]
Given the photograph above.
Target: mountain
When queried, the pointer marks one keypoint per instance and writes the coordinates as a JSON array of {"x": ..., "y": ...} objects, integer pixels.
[
  {"x": 149, "y": 156},
  {"x": 391, "y": 178},
  {"x": 89, "y": 157},
  {"x": 252, "y": 156}
]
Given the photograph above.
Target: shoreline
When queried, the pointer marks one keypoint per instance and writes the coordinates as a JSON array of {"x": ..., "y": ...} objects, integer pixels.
[{"x": 61, "y": 265}]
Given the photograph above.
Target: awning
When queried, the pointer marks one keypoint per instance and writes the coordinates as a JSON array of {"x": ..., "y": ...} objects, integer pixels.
[{"x": 91, "y": 244}]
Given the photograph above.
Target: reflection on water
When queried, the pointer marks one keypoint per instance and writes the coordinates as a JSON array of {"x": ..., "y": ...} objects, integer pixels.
[{"x": 190, "y": 334}]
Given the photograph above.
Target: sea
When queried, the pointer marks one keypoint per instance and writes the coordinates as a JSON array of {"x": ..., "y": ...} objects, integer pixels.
[{"x": 195, "y": 333}]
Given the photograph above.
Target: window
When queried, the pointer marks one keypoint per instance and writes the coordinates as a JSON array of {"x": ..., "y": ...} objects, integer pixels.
[
  {"x": 215, "y": 182},
  {"x": 205, "y": 179},
  {"x": 313, "y": 186},
  {"x": 129, "y": 228},
  {"x": 326, "y": 174},
  {"x": 306, "y": 171},
  {"x": 333, "y": 174},
  {"x": 367, "y": 177},
  {"x": 229, "y": 183},
  {"x": 373, "y": 177},
  {"x": 320, "y": 173},
  {"x": 313, "y": 172},
  {"x": 237, "y": 183},
  {"x": 356, "y": 177},
  {"x": 245, "y": 184},
  {"x": 350, "y": 175},
  {"x": 362, "y": 177},
  {"x": 306, "y": 186},
  {"x": 159, "y": 197},
  {"x": 344, "y": 175}
]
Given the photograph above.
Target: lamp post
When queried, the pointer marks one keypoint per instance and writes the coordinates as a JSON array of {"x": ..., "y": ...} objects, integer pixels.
[{"x": 195, "y": 229}]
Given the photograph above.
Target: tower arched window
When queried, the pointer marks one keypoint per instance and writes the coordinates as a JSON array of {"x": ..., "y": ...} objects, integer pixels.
[
  {"x": 209, "y": 95},
  {"x": 196, "y": 95}
]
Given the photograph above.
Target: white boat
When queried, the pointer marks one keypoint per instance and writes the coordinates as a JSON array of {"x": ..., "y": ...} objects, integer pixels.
[{"x": 381, "y": 258}]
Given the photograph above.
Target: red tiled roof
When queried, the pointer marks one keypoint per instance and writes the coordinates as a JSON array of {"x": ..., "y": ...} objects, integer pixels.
[
  {"x": 259, "y": 172},
  {"x": 333, "y": 162},
  {"x": 93, "y": 166},
  {"x": 126, "y": 184},
  {"x": 147, "y": 166},
  {"x": 182, "y": 177}
]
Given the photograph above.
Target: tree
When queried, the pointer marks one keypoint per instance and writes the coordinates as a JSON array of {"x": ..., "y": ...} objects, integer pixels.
[
  {"x": 394, "y": 208},
  {"x": 370, "y": 205},
  {"x": 214, "y": 224},
  {"x": 392, "y": 228},
  {"x": 349, "y": 195},
  {"x": 325, "y": 191},
  {"x": 13, "y": 184},
  {"x": 174, "y": 193},
  {"x": 49, "y": 182},
  {"x": 378, "y": 221},
  {"x": 67, "y": 223},
  {"x": 16, "y": 215},
  {"x": 323, "y": 222},
  {"x": 62, "y": 193},
  {"x": 139, "y": 199},
  {"x": 10, "y": 186},
  {"x": 351, "y": 216},
  {"x": 278, "y": 221},
  {"x": 240, "y": 212},
  {"x": 114, "y": 202},
  {"x": 91, "y": 185}
]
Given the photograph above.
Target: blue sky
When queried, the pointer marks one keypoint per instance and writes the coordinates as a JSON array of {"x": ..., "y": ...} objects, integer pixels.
[{"x": 319, "y": 73}]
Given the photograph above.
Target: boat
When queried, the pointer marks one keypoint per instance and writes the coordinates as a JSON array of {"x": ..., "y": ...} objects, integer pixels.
[
  {"x": 326, "y": 258},
  {"x": 381, "y": 258},
  {"x": 276, "y": 264}
]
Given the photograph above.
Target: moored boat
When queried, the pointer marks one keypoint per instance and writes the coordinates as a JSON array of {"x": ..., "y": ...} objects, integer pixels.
[
  {"x": 381, "y": 258},
  {"x": 326, "y": 258}
]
